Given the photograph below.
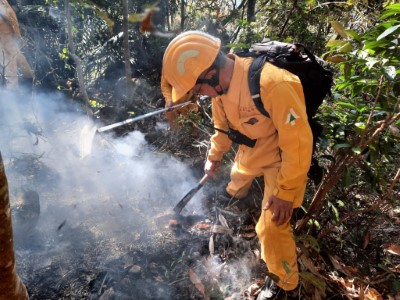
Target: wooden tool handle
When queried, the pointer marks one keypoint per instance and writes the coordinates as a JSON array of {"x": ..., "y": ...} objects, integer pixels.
[{"x": 204, "y": 179}]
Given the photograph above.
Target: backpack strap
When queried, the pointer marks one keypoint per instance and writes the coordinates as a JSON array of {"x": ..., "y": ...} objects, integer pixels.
[{"x": 254, "y": 83}]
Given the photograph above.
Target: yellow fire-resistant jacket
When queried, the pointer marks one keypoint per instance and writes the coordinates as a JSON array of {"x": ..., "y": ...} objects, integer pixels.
[{"x": 285, "y": 139}]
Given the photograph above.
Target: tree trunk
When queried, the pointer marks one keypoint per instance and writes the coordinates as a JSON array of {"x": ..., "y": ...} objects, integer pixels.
[
  {"x": 183, "y": 17},
  {"x": 11, "y": 286},
  {"x": 78, "y": 64},
  {"x": 128, "y": 72},
  {"x": 251, "y": 17}
]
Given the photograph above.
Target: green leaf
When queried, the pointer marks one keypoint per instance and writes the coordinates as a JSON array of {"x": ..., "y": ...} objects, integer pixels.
[
  {"x": 390, "y": 11},
  {"x": 347, "y": 177},
  {"x": 347, "y": 70},
  {"x": 389, "y": 72},
  {"x": 335, "y": 43},
  {"x": 286, "y": 267},
  {"x": 347, "y": 105},
  {"x": 338, "y": 27},
  {"x": 360, "y": 125},
  {"x": 388, "y": 32},
  {"x": 371, "y": 61},
  {"x": 353, "y": 34},
  {"x": 356, "y": 150},
  {"x": 347, "y": 47},
  {"x": 335, "y": 211},
  {"x": 371, "y": 45},
  {"x": 340, "y": 203}
]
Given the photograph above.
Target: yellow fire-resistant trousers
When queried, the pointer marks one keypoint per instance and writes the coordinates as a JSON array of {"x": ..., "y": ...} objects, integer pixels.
[{"x": 278, "y": 248}]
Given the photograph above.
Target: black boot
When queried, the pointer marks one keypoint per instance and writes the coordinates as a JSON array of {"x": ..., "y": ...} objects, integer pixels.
[{"x": 270, "y": 291}]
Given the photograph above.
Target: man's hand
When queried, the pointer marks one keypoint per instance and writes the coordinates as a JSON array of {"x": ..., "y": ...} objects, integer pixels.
[
  {"x": 282, "y": 209},
  {"x": 168, "y": 103},
  {"x": 212, "y": 167}
]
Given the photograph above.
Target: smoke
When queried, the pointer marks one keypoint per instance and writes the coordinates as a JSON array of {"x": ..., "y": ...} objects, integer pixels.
[
  {"x": 95, "y": 209},
  {"x": 111, "y": 194}
]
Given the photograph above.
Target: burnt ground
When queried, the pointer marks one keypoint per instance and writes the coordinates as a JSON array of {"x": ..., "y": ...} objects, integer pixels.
[
  {"x": 175, "y": 257},
  {"x": 211, "y": 253}
]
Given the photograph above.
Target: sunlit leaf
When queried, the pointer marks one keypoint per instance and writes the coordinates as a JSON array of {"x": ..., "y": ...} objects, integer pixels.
[
  {"x": 371, "y": 61},
  {"x": 390, "y": 72},
  {"x": 347, "y": 47},
  {"x": 339, "y": 28},
  {"x": 373, "y": 294},
  {"x": 360, "y": 125},
  {"x": 390, "y": 11},
  {"x": 335, "y": 43},
  {"x": 356, "y": 150},
  {"x": 388, "y": 32}
]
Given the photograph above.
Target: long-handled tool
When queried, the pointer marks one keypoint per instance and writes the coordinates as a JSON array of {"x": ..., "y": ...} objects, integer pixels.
[
  {"x": 128, "y": 121},
  {"x": 88, "y": 132},
  {"x": 185, "y": 200}
]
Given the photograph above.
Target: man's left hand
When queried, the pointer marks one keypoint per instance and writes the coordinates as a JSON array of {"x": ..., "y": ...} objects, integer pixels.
[{"x": 282, "y": 209}]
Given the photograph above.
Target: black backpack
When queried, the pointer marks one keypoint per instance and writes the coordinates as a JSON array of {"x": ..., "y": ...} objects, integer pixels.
[{"x": 315, "y": 78}]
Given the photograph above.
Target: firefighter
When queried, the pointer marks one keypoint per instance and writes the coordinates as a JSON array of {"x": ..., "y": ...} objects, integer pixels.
[
  {"x": 173, "y": 115},
  {"x": 193, "y": 61}
]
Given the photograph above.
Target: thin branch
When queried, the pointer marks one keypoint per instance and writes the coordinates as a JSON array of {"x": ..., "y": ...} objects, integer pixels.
[
  {"x": 289, "y": 15},
  {"x": 373, "y": 108}
]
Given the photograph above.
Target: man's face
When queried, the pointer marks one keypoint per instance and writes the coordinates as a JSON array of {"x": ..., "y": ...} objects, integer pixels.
[{"x": 204, "y": 88}]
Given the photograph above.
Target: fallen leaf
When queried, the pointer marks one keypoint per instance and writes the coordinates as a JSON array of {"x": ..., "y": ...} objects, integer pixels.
[
  {"x": 373, "y": 294},
  {"x": 223, "y": 221},
  {"x": 197, "y": 283},
  {"x": 211, "y": 245},
  {"x": 393, "y": 249},
  {"x": 203, "y": 226},
  {"x": 221, "y": 229},
  {"x": 367, "y": 239}
]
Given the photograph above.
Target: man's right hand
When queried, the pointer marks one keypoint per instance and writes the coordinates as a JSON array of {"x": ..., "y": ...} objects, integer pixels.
[
  {"x": 168, "y": 103},
  {"x": 212, "y": 167}
]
